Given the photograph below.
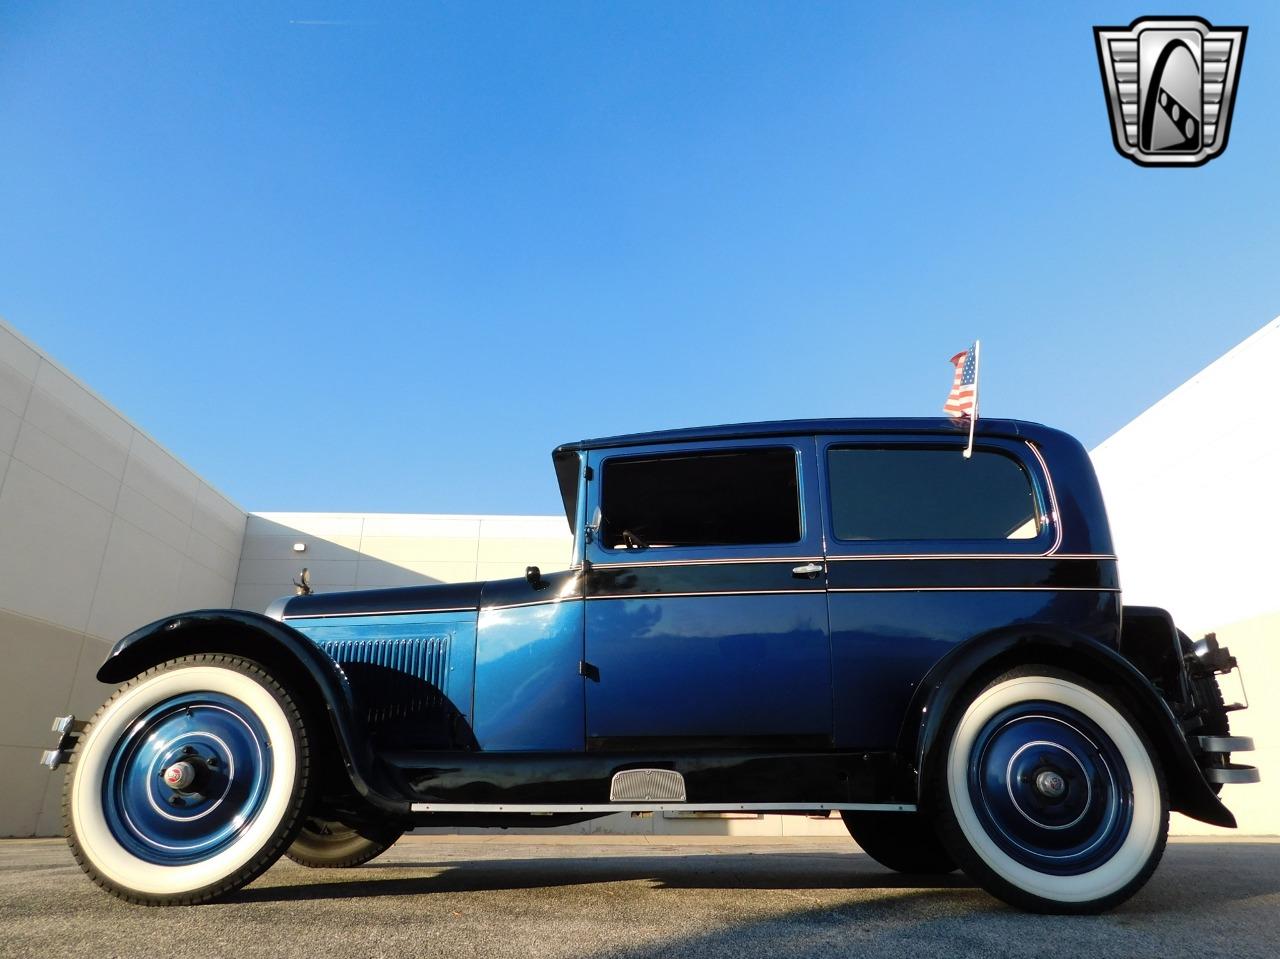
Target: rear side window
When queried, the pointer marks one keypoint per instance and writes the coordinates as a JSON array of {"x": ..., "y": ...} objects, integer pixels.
[
  {"x": 729, "y": 498},
  {"x": 923, "y": 494}
]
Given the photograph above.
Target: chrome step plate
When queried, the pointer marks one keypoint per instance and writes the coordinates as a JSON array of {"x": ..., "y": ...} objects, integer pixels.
[{"x": 647, "y": 785}]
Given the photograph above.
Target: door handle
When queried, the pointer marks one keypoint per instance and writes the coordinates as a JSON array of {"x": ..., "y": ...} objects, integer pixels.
[{"x": 807, "y": 571}]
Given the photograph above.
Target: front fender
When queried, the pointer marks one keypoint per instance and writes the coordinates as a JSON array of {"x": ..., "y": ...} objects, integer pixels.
[
  {"x": 983, "y": 657},
  {"x": 293, "y": 658}
]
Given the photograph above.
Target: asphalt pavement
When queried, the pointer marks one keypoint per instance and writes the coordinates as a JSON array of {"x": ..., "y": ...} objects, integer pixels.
[{"x": 632, "y": 897}]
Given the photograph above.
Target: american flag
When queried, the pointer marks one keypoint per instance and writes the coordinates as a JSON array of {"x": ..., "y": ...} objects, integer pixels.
[{"x": 964, "y": 388}]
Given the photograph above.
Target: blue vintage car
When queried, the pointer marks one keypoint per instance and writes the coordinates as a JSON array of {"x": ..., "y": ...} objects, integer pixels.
[{"x": 790, "y": 617}]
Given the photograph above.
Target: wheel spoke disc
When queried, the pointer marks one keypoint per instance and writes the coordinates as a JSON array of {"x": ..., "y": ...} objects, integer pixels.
[
  {"x": 215, "y": 751},
  {"x": 1050, "y": 788}
]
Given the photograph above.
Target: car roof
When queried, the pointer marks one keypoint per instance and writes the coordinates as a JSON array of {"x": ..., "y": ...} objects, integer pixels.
[{"x": 939, "y": 425}]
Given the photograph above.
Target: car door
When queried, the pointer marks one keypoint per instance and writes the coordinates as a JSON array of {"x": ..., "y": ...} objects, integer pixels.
[
  {"x": 706, "y": 619},
  {"x": 927, "y": 548}
]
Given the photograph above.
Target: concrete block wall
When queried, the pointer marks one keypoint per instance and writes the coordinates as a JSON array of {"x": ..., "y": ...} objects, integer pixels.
[
  {"x": 101, "y": 531},
  {"x": 369, "y": 550}
]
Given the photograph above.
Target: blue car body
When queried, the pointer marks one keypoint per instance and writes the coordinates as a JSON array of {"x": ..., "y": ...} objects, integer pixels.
[{"x": 797, "y": 676}]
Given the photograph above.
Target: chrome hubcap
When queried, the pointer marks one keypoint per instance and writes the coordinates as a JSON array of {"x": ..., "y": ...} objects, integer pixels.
[
  {"x": 180, "y": 775},
  {"x": 1050, "y": 785},
  {"x": 1050, "y": 788},
  {"x": 187, "y": 778}
]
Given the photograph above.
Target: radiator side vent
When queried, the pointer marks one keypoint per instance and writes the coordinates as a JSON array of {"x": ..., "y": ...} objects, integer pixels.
[
  {"x": 397, "y": 677},
  {"x": 647, "y": 785}
]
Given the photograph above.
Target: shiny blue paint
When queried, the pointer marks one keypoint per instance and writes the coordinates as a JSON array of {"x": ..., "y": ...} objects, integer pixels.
[
  {"x": 735, "y": 665},
  {"x": 883, "y": 643},
  {"x": 528, "y": 692},
  {"x": 1063, "y": 835},
  {"x": 224, "y": 742},
  {"x": 709, "y": 666},
  {"x": 456, "y": 630}
]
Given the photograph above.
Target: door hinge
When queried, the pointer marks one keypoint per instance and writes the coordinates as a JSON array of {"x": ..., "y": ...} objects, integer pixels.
[
  {"x": 588, "y": 473},
  {"x": 587, "y": 671}
]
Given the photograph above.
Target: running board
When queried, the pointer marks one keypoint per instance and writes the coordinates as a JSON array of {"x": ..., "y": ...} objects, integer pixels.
[{"x": 800, "y": 807}]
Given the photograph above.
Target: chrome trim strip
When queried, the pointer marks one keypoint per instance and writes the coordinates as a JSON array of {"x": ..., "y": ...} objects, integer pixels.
[
  {"x": 850, "y": 558},
  {"x": 868, "y": 589},
  {"x": 710, "y": 562},
  {"x": 973, "y": 589},
  {"x": 535, "y": 602},
  {"x": 383, "y": 612},
  {"x": 744, "y": 592},
  {"x": 1053, "y": 498},
  {"x": 659, "y": 807},
  {"x": 816, "y": 591},
  {"x": 866, "y": 556}
]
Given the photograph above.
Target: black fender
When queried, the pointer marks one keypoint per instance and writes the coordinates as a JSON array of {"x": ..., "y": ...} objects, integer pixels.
[
  {"x": 292, "y": 658},
  {"x": 952, "y": 678}
]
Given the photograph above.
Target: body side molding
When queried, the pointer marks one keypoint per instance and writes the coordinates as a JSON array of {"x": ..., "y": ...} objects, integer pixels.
[{"x": 784, "y": 807}]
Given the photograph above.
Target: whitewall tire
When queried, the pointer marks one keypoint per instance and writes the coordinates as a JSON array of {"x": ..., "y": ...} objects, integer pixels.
[
  {"x": 188, "y": 782},
  {"x": 1049, "y": 795}
]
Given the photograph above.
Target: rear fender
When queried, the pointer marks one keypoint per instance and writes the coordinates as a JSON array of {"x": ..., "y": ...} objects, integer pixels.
[
  {"x": 292, "y": 658},
  {"x": 953, "y": 679}
]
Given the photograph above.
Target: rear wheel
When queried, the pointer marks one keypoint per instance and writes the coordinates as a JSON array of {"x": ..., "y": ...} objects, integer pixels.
[
  {"x": 901, "y": 841},
  {"x": 188, "y": 783},
  {"x": 326, "y": 844},
  {"x": 1049, "y": 795}
]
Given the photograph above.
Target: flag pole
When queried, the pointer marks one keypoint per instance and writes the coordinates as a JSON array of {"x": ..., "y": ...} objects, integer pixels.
[{"x": 973, "y": 420}]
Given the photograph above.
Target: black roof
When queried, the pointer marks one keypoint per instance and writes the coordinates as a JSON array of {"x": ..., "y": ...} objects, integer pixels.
[{"x": 943, "y": 425}]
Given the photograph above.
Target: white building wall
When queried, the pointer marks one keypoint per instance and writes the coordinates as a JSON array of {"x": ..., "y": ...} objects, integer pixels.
[
  {"x": 370, "y": 550},
  {"x": 101, "y": 531},
  {"x": 1190, "y": 487}
]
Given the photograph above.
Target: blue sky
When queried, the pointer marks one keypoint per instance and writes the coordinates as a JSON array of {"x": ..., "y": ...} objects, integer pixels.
[{"x": 384, "y": 257}]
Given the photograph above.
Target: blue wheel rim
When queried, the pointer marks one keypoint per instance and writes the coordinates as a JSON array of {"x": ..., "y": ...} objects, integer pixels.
[
  {"x": 1050, "y": 788},
  {"x": 224, "y": 748}
]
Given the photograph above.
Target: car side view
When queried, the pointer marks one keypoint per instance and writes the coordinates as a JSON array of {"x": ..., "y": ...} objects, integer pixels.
[{"x": 846, "y": 616}]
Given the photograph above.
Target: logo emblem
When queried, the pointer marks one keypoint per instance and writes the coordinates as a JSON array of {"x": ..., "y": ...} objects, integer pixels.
[{"x": 1170, "y": 84}]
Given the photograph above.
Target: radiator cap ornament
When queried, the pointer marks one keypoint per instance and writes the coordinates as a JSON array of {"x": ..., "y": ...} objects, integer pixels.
[{"x": 1170, "y": 84}]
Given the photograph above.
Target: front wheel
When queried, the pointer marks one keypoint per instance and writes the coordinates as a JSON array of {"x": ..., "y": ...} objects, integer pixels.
[
  {"x": 188, "y": 783},
  {"x": 325, "y": 844},
  {"x": 1048, "y": 794}
]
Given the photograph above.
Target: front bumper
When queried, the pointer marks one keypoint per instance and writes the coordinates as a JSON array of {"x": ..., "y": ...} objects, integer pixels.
[{"x": 68, "y": 729}]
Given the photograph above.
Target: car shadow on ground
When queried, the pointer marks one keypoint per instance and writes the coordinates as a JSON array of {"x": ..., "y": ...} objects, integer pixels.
[
  {"x": 1189, "y": 879},
  {"x": 770, "y": 871}
]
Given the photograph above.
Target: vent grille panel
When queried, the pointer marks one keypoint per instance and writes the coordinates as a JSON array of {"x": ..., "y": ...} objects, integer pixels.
[
  {"x": 395, "y": 678},
  {"x": 647, "y": 785}
]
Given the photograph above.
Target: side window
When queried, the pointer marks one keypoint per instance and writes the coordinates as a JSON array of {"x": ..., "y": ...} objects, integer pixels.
[
  {"x": 924, "y": 494},
  {"x": 721, "y": 498}
]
